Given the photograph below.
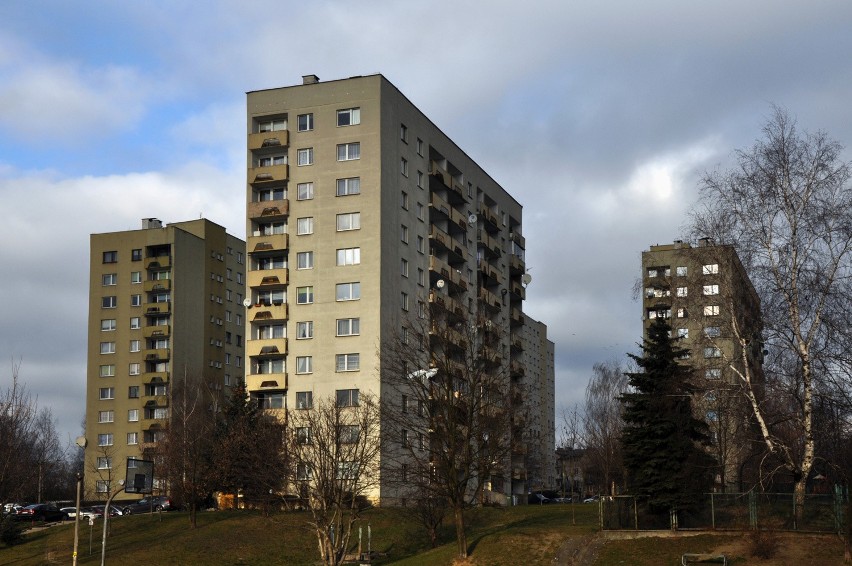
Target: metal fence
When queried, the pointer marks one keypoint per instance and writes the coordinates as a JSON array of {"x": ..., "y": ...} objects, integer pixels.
[{"x": 731, "y": 511}]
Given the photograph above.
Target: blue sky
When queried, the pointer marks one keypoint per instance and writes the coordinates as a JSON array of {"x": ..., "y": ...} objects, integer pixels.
[{"x": 598, "y": 117}]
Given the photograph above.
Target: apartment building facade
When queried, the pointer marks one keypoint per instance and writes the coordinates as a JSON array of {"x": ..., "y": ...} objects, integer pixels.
[
  {"x": 710, "y": 303},
  {"x": 165, "y": 303},
  {"x": 360, "y": 212}
]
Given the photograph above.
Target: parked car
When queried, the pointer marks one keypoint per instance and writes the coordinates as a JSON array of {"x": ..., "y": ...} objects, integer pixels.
[
  {"x": 592, "y": 499},
  {"x": 46, "y": 512},
  {"x": 539, "y": 499},
  {"x": 12, "y": 508},
  {"x": 114, "y": 511},
  {"x": 85, "y": 513},
  {"x": 146, "y": 505}
]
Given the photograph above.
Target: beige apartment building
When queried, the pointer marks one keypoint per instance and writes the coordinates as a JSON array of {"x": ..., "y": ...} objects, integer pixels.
[
  {"x": 708, "y": 299},
  {"x": 165, "y": 303},
  {"x": 360, "y": 212}
]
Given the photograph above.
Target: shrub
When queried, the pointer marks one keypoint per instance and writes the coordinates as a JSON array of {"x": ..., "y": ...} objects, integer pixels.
[
  {"x": 11, "y": 532},
  {"x": 763, "y": 544}
]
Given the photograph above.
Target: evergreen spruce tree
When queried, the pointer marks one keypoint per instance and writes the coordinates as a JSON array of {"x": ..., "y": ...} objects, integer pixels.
[{"x": 663, "y": 443}]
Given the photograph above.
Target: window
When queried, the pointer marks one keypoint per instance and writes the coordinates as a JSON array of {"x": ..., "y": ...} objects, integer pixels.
[
  {"x": 349, "y": 186},
  {"x": 109, "y": 302},
  {"x": 710, "y": 269},
  {"x": 136, "y": 300},
  {"x": 136, "y": 255},
  {"x": 348, "y": 362},
  {"x": 348, "y": 434},
  {"x": 109, "y": 279},
  {"x": 132, "y": 415},
  {"x": 272, "y": 160},
  {"x": 110, "y": 257},
  {"x": 135, "y": 345},
  {"x": 305, "y": 156},
  {"x": 348, "y": 326},
  {"x": 403, "y": 200},
  {"x": 682, "y": 291},
  {"x": 133, "y": 392},
  {"x": 349, "y": 221},
  {"x": 304, "y": 364},
  {"x": 304, "y": 191},
  {"x": 405, "y": 440},
  {"x": 304, "y": 295},
  {"x": 134, "y": 368},
  {"x": 420, "y": 179},
  {"x": 681, "y": 271},
  {"x": 711, "y": 289},
  {"x": 682, "y": 313},
  {"x": 305, "y": 260},
  {"x": 712, "y": 331},
  {"x": 403, "y": 233},
  {"x": 135, "y": 323},
  {"x": 347, "y": 470},
  {"x": 304, "y": 330},
  {"x": 349, "y": 256},
  {"x": 304, "y": 226},
  {"x": 106, "y": 416},
  {"x": 107, "y": 370},
  {"x": 304, "y": 399},
  {"x": 713, "y": 373},
  {"x": 419, "y": 147},
  {"x": 348, "y": 291},
  {"x": 683, "y": 333},
  {"x": 304, "y": 472},
  {"x": 132, "y": 438},
  {"x": 711, "y": 310},
  {"x": 349, "y": 117},
  {"x": 712, "y": 352},
  {"x": 403, "y": 133},
  {"x": 404, "y": 301},
  {"x": 105, "y": 439},
  {"x": 303, "y": 435},
  {"x": 107, "y": 393},
  {"x": 104, "y": 462},
  {"x": 421, "y": 277},
  {"x": 305, "y": 122},
  {"x": 348, "y": 151},
  {"x": 107, "y": 347},
  {"x": 420, "y": 211},
  {"x": 347, "y": 397},
  {"x": 107, "y": 325},
  {"x": 403, "y": 267},
  {"x": 421, "y": 246},
  {"x": 135, "y": 277},
  {"x": 270, "y": 331},
  {"x": 403, "y": 167},
  {"x": 266, "y": 229}
]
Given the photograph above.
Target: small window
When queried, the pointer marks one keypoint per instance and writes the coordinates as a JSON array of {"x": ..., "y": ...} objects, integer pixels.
[
  {"x": 109, "y": 302},
  {"x": 133, "y": 415},
  {"x": 135, "y": 345},
  {"x": 712, "y": 352},
  {"x": 106, "y": 416},
  {"x": 134, "y": 368},
  {"x": 681, "y": 271},
  {"x": 104, "y": 462},
  {"x": 106, "y": 393},
  {"x": 711, "y": 289},
  {"x": 304, "y": 295},
  {"x": 271, "y": 125},
  {"x": 403, "y": 167},
  {"x": 136, "y": 255},
  {"x": 304, "y": 226},
  {"x": 135, "y": 323},
  {"x": 348, "y": 326},
  {"x": 712, "y": 331},
  {"x": 132, "y": 438},
  {"x": 713, "y": 373},
  {"x": 419, "y": 147},
  {"x": 403, "y": 200},
  {"x": 304, "y": 399},
  {"x": 304, "y": 330},
  {"x": 136, "y": 300},
  {"x": 305, "y": 260},
  {"x": 348, "y": 221},
  {"x": 349, "y": 117},
  {"x": 682, "y": 291},
  {"x": 107, "y": 347},
  {"x": 105, "y": 439},
  {"x": 421, "y": 244},
  {"x": 683, "y": 333},
  {"x": 403, "y": 267},
  {"x": 403, "y": 133},
  {"x": 348, "y": 291},
  {"x": 107, "y": 370},
  {"x": 110, "y": 257},
  {"x": 404, "y": 301},
  {"x": 107, "y": 325},
  {"x": 420, "y": 180},
  {"x": 349, "y": 151},
  {"x": 135, "y": 277},
  {"x": 348, "y": 362},
  {"x": 305, "y": 156},
  {"x": 133, "y": 392},
  {"x": 403, "y": 233},
  {"x": 348, "y": 186},
  {"x": 109, "y": 279},
  {"x": 347, "y": 397},
  {"x": 304, "y": 364},
  {"x": 349, "y": 256},
  {"x": 304, "y": 191},
  {"x": 710, "y": 269},
  {"x": 303, "y": 435},
  {"x": 305, "y": 122}
]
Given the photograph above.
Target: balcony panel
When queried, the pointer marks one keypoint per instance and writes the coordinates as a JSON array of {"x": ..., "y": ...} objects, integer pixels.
[
  {"x": 158, "y": 262},
  {"x": 161, "y": 331},
  {"x": 272, "y": 174},
  {"x": 158, "y": 285},
  {"x": 268, "y": 278},
  {"x": 266, "y": 244},
  {"x": 516, "y": 265},
  {"x": 517, "y": 317},
  {"x": 267, "y": 313},
  {"x": 158, "y": 308},
  {"x": 268, "y": 348},
  {"x": 155, "y": 377},
  {"x": 266, "y": 381},
  {"x": 268, "y": 209},
  {"x": 263, "y": 140},
  {"x": 156, "y": 354}
]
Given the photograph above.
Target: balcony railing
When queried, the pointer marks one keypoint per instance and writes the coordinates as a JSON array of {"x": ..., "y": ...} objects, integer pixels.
[
  {"x": 266, "y": 348},
  {"x": 157, "y": 285},
  {"x": 268, "y": 278},
  {"x": 158, "y": 308},
  {"x": 271, "y": 174},
  {"x": 160, "y": 331},
  {"x": 262, "y": 312},
  {"x": 156, "y": 354},
  {"x": 262, "y": 140},
  {"x": 158, "y": 262},
  {"x": 261, "y": 381},
  {"x": 270, "y": 243}
]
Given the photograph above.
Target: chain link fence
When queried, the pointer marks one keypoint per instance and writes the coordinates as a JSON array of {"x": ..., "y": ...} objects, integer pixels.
[{"x": 731, "y": 511}]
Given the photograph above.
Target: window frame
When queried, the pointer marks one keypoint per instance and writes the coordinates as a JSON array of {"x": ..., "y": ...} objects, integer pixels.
[
  {"x": 305, "y": 125},
  {"x": 304, "y": 156},
  {"x": 305, "y": 295},
  {"x": 348, "y": 221},
  {"x": 353, "y": 294},
  {"x": 348, "y": 186},
  {"x": 350, "y": 361},
  {"x": 305, "y": 191},
  {"x": 350, "y": 151},
  {"x": 348, "y": 326},
  {"x": 348, "y": 117}
]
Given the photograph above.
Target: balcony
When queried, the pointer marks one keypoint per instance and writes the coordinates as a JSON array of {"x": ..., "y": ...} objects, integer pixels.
[
  {"x": 517, "y": 317},
  {"x": 267, "y": 312},
  {"x": 266, "y": 348},
  {"x": 489, "y": 244},
  {"x": 516, "y": 265},
  {"x": 266, "y": 381},
  {"x": 158, "y": 308},
  {"x": 268, "y": 209},
  {"x": 516, "y": 370},
  {"x": 519, "y": 291},
  {"x": 443, "y": 271},
  {"x": 490, "y": 274},
  {"x": 441, "y": 209},
  {"x": 446, "y": 302},
  {"x": 260, "y": 244},
  {"x": 161, "y": 331},
  {"x": 158, "y": 262},
  {"x": 268, "y": 278},
  {"x": 518, "y": 239},
  {"x": 155, "y": 377},
  {"x": 156, "y": 354},
  {"x": 158, "y": 285},
  {"x": 263, "y": 140},
  {"x": 271, "y": 174},
  {"x": 490, "y": 299},
  {"x": 492, "y": 222}
]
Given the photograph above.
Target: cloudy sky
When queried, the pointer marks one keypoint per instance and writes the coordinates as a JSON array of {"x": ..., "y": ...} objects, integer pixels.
[{"x": 598, "y": 116}]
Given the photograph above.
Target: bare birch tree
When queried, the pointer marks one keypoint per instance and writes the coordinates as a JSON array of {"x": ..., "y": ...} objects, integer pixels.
[
  {"x": 603, "y": 421},
  {"x": 787, "y": 207}
]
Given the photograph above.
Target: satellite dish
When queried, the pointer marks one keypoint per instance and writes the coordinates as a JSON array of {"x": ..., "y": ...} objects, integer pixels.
[
  {"x": 471, "y": 219},
  {"x": 526, "y": 278},
  {"x": 439, "y": 284},
  {"x": 247, "y": 303}
]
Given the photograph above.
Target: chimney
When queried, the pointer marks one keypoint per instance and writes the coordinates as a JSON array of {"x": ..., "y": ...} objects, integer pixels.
[{"x": 310, "y": 79}]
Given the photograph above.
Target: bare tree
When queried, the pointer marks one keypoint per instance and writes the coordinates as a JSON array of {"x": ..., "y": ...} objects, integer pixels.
[
  {"x": 333, "y": 450},
  {"x": 571, "y": 453},
  {"x": 787, "y": 207},
  {"x": 603, "y": 421},
  {"x": 452, "y": 411}
]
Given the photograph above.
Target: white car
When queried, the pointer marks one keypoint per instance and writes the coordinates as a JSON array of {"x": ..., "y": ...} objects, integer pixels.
[{"x": 85, "y": 513}]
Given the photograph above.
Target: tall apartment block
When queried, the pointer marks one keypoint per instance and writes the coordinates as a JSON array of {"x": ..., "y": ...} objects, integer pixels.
[
  {"x": 357, "y": 206},
  {"x": 711, "y": 305},
  {"x": 540, "y": 382},
  {"x": 165, "y": 302}
]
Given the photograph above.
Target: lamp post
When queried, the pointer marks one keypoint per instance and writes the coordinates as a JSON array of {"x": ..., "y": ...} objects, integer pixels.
[{"x": 81, "y": 442}]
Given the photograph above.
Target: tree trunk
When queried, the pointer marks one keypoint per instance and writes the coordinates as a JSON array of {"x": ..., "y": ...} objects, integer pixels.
[{"x": 461, "y": 538}]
